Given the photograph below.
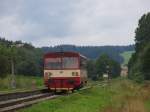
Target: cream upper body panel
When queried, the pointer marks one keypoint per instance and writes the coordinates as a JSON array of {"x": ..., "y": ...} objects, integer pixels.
[{"x": 62, "y": 73}]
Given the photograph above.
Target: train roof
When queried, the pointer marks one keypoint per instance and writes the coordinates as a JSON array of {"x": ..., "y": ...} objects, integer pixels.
[
  {"x": 83, "y": 56},
  {"x": 64, "y": 53}
]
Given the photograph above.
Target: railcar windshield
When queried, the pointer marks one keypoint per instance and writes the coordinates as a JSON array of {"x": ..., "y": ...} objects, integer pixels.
[
  {"x": 70, "y": 62},
  {"x": 53, "y": 63},
  {"x": 61, "y": 63}
]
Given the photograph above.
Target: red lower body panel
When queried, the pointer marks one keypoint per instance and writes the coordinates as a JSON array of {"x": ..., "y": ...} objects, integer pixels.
[{"x": 63, "y": 83}]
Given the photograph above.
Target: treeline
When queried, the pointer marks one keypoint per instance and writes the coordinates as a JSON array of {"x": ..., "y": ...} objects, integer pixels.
[
  {"x": 26, "y": 59},
  {"x": 93, "y": 52},
  {"x": 139, "y": 65}
]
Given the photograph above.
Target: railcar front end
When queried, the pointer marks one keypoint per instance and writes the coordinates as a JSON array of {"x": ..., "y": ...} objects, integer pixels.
[{"x": 63, "y": 71}]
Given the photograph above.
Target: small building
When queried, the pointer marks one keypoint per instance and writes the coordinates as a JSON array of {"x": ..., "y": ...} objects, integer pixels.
[
  {"x": 124, "y": 71},
  {"x": 105, "y": 75}
]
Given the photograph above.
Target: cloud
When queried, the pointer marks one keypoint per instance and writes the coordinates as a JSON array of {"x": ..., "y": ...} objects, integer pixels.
[{"x": 80, "y": 22}]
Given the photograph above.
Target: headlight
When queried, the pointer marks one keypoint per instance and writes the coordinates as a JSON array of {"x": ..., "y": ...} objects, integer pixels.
[
  {"x": 47, "y": 74},
  {"x": 50, "y": 74},
  {"x": 75, "y": 74}
]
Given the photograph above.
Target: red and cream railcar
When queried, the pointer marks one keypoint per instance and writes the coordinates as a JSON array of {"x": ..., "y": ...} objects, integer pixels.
[{"x": 64, "y": 70}]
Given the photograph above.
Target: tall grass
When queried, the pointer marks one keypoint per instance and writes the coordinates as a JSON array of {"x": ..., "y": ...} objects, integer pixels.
[
  {"x": 21, "y": 82},
  {"x": 128, "y": 97}
]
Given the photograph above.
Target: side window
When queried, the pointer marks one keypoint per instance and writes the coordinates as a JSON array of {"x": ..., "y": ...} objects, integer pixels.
[{"x": 83, "y": 63}]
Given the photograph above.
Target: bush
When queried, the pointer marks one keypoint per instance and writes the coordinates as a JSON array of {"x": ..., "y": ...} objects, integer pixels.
[{"x": 138, "y": 77}]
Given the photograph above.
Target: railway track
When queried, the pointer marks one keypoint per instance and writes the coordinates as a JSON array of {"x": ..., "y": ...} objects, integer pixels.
[{"x": 13, "y": 101}]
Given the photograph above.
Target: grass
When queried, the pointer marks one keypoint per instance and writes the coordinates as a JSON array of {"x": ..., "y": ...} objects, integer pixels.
[
  {"x": 147, "y": 104},
  {"x": 83, "y": 101},
  {"x": 120, "y": 95},
  {"x": 126, "y": 55},
  {"x": 21, "y": 82}
]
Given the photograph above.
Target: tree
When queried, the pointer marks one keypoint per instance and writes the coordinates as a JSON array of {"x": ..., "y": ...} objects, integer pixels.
[
  {"x": 145, "y": 62},
  {"x": 29, "y": 61},
  {"x": 26, "y": 59},
  {"x": 142, "y": 32},
  {"x": 28, "y": 67},
  {"x": 139, "y": 64},
  {"x": 105, "y": 64},
  {"x": 4, "y": 60},
  {"x": 91, "y": 70}
]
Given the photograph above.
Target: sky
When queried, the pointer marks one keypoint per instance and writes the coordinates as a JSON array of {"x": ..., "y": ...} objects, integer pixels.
[{"x": 77, "y": 22}]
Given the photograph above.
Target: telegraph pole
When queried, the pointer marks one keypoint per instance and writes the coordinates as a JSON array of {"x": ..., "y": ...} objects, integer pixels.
[
  {"x": 12, "y": 66},
  {"x": 108, "y": 69},
  {"x": 13, "y": 82}
]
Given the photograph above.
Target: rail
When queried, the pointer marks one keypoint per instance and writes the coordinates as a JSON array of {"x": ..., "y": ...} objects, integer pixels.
[{"x": 13, "y": 101}]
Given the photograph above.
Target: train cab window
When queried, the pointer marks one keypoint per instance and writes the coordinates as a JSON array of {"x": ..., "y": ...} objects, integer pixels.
[
  {"x": 83, "y": 63},
  {"x": 53, "y": 63},
  {"x": 70, "y": 62}
]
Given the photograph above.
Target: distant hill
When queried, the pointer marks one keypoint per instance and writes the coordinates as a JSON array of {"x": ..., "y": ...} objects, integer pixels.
[{"x": 93, "y": 52}]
